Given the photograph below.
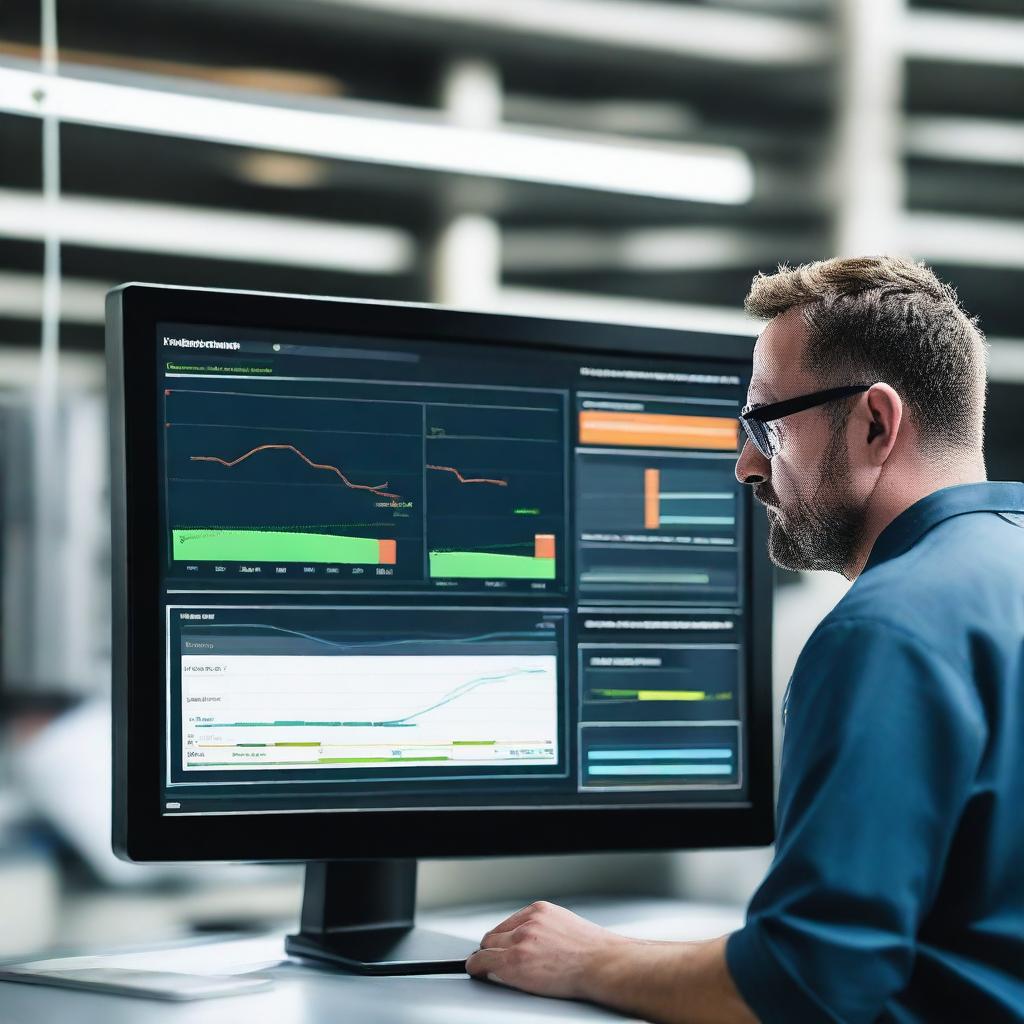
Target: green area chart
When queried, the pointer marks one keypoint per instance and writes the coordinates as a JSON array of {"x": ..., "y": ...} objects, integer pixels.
[
  {"x": 213, "y": 545},
  {"x": 488, "y": 565}
]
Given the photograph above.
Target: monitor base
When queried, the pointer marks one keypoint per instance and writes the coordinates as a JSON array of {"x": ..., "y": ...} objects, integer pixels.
[
  {"x": 358, "y": 916},
  {"x": 385, "y": 951}
]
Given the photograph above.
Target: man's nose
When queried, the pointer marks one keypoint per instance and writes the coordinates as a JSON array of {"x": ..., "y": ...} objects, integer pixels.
[{"x": 752, "y": 467}]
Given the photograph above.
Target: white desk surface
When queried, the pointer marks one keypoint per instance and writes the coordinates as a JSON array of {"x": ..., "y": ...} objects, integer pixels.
[{"x": 304, "y": 994}]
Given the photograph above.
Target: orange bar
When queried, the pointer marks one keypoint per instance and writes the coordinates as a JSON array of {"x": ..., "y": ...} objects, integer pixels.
[
  {"x": 656, "y": 430},
  {"x": 652, "y": 499},
  {"x": 543, "y": 545},
  {"x": 387, "y": 552}
]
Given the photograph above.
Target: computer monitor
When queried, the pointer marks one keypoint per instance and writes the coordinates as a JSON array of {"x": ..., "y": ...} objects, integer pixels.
[{"x": 395, "y": 581}]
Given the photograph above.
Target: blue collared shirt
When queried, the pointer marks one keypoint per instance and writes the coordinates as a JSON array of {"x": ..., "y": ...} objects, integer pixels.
[{"x": 897, "y": 889}]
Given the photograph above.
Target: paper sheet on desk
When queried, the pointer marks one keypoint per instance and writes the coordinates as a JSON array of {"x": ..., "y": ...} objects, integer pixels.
[{"x": 232, "y": 956}]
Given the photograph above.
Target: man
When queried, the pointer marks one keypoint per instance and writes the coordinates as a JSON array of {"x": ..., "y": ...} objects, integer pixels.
[{"x": 897, "y": 888}]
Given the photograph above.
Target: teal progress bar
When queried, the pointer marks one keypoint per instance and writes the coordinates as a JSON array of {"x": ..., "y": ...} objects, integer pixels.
[
  {"x": 697, "y": 520},
  {"x": 659, "y": 769},
  {"x": 650, "y": 755}
]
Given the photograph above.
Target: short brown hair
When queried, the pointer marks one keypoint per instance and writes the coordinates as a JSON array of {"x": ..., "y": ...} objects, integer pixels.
[{"x": 885, "y": 318}]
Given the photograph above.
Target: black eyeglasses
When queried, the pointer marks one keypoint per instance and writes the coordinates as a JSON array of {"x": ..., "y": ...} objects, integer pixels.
[{"x": 757, "y": 420}]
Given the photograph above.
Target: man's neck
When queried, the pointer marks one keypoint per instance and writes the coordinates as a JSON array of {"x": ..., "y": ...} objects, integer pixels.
[{"x": 895, "y": 495}]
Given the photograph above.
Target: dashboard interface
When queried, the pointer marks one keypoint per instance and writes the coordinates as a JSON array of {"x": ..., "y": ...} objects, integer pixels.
[{"x": 415, "y": 573}]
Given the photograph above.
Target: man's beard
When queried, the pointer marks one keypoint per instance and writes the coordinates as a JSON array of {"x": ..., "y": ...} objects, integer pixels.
[{"x": 821, "y": 532}]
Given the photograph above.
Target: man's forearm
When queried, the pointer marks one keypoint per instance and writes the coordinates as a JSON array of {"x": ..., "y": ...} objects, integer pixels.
[{"x": 668, "y": 982}]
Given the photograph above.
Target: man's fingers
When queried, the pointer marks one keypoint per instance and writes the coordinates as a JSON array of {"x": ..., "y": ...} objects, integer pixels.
[
  {"x": 484, "y": 963},
  {"x": 495, "y": 940},
  {"x": 520, "y": 916}
]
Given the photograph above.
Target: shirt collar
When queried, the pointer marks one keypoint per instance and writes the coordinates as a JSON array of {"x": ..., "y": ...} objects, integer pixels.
[{"x": 913, "y": 523}]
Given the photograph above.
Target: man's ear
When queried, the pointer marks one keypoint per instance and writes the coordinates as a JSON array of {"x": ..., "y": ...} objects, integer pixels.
[{"x": 881, "y": 412}]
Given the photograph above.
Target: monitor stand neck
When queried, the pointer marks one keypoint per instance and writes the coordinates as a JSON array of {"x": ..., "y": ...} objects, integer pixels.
[{"x": 358, "y": 915}]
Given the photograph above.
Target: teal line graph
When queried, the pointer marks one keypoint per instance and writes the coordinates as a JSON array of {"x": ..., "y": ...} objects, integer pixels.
[
  {"x": 404, "y": 721},
  {"x": 483, "y": 637}
]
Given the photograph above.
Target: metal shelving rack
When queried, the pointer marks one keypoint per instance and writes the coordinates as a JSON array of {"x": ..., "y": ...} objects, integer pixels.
[{"x": 610, "y": 159}]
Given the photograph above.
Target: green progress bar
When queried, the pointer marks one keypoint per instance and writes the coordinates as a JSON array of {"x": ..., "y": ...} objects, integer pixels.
[
  {"x": 653, "y": 694},
  {"x": 273, "y": 546},
  {"x": 490, "y": 566}
]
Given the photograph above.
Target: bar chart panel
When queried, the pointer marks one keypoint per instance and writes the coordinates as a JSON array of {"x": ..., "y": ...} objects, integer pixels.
[{"x": 658, "y": 526}]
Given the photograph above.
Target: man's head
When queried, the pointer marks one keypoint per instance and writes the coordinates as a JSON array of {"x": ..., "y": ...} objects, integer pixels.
[{"x": 883, "y": 321}]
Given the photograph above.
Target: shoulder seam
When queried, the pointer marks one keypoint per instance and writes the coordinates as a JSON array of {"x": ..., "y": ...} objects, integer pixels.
[{"x": 865, "y": 620}]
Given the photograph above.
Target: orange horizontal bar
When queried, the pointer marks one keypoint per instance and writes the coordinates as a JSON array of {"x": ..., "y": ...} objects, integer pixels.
[
  {"x": 652, "y": 499},
  {"x": 387, "y": 552},
  {"x": 657, "y": 430},
  {"x": 543, "y": 545}
]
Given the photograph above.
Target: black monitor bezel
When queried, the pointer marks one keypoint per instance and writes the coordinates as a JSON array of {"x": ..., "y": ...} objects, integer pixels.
[{"x": 142, "y": 833}]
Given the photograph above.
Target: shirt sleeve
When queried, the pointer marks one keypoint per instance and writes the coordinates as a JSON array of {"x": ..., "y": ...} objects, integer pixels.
[{"x": 882, "y": 742}]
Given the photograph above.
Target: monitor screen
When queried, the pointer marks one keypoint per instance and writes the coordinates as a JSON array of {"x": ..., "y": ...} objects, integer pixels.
[{"x": 417, "y": 572}]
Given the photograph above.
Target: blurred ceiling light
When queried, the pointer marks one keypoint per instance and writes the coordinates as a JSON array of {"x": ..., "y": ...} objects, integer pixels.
[
  {"x": 652, "y": 249},
  {"x": 81, "y": 300},
  {"x": 962, "y": 240},
  {"x": 962, "y": 38},
  {"x": 965, "y": 139},
  {"x": 626, "y": 310},
  {"x": 282, "y": 170},
  {"x": 209, "y": 233},
  {"x": 712, "y": 174},
  {"x": 1006, "y": 360},
  {"x": 665, "y": 28},
  {"x": 624, "y": 116},
  {"x": 303, "y": 83}
]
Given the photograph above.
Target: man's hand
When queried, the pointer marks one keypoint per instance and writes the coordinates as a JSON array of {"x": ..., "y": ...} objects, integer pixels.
[
  {"x": 546, "y": 950},
  {"x": 549, "y": 951}
]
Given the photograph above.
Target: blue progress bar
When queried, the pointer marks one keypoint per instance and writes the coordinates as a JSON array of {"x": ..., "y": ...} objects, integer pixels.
[
  {"x": 659, "y": 769},
  {"x": 708, "y": 753}
]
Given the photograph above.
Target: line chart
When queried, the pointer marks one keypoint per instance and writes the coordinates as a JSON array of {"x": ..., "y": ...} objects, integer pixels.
[
  {"x": 503, "y": 634},
  {"x": 468, "y": 479},
  {"x": 247, "y": 711},
  {"x": 436, "y": 491},
  {"x": 378, "y": 489},
  {"x": 402, "y": 720}
]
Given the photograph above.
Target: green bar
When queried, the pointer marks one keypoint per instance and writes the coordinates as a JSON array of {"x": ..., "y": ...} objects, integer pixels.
[
  {"x": 272, "y": 546},
  {"x": 302, "y": 743},
  {"x": 376, "y": 760},
  {"x": 473, "y": 743},
  {"x": 671, "y": 695},
  {"x": 487, "y": 565},
  {"x": 615, "y": 693}
]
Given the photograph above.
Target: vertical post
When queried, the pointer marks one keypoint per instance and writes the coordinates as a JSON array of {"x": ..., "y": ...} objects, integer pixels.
[
  {"x": 47, "y": 524},
  {"x": 466, "y": 269},
  {"x": 867, "y": 159}
]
